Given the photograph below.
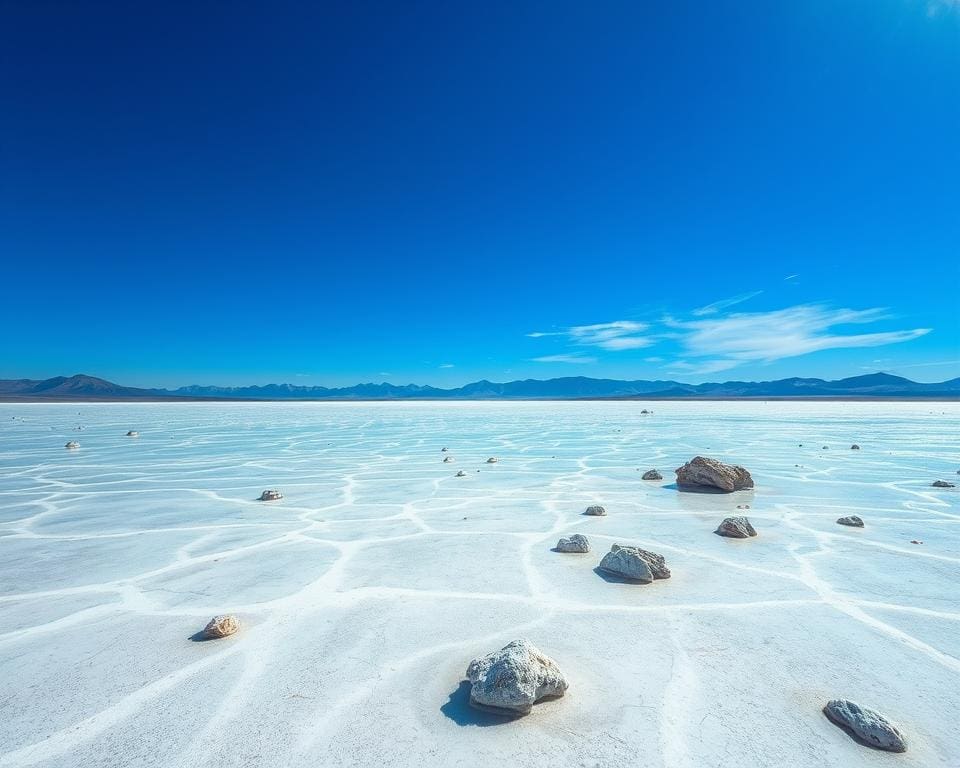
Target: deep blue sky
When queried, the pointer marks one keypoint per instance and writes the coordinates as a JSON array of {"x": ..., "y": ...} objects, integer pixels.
[{"x": 239, "y": 193}]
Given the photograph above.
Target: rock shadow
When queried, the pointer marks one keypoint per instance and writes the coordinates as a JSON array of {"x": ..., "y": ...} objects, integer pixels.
[
  {"x": 459, "y": 710},
  {"x": 612, "y": 578}
]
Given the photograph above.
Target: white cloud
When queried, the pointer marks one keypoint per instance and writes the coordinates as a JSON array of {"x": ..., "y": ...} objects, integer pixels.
[
  {"x": 791, "y": 277},
  {"x": 790, "y": 332},
  {"x": 653, "y": 359},
  {"x": 581, "y": 359},
  {"x": 712, "y": 309},
  {"x": 617, "y": 335},
  {"x": 446, "y": 365}
]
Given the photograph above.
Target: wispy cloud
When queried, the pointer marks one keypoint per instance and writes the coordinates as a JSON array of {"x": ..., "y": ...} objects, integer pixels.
[
  {"x": 791, "y": 277},
  {"x": 581, "y": 359},
  {"x": 712, "y": 309},
  {"x": 767, "y": 336},
  {"x": 653, "y": 359},
  {"x": 446, "y": 365},
  {"x": 613, "y": 336},
  {"x": 384, "y": 373}
]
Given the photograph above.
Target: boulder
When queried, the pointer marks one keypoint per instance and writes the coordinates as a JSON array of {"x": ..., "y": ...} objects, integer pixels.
[
  {"x": 492, "y": 460},
  {"x": 736, "y": 528},
  {"x": 942, "y": 484},
  {"x": 133, "y": 433},
  {"x": 72, "y": 444},
  {"x": 270, "y": 496},
  {"x": 854, "y": 447},
  {"x": 595, "y": 510},
  {"x": 634, "y": 564},
  {"x": 510, "y": 681},
  {"x": 652, "y": 474},
  {"x": 701, "y": 472},
  {"x": 576, "y": 543},
  {"x": 221, "y": 626},
  {"x": 852, "y": 520},
  {"x": 868, "y": 726}
]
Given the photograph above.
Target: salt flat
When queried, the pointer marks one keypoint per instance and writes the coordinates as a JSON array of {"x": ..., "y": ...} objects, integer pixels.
[{"x": 367, "y": 590}]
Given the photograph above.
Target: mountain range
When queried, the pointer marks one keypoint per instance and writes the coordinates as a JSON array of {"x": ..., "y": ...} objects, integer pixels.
[{"x": 875, "y": 385}]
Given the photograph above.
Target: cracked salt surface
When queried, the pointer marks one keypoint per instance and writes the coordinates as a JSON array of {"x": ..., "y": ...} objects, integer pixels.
[{"x": 365, "y": 591}]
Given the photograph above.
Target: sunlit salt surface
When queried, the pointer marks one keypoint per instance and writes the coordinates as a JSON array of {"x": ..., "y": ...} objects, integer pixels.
[{"x": 367, "y": 589}]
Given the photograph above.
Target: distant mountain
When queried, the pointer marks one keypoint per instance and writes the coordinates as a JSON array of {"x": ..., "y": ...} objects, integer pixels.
[{"x": 884, "y": 385}]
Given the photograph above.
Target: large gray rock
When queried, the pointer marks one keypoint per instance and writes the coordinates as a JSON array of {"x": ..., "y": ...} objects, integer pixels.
[
  {"x": 736, "y": 528},
  {"x": 652, "y": 474},
  {"x": 595, "y": 510},
  {"x": 868, "y": 726},
  {"x": 852, "y": 520},
  {"x": 270, "y": 496},
  {"x": 942, "y": 484},
  {"x": 701, "y": 472},
  {"x": 634, "y": 564},
  {"x": 575, "y": 543},
  {"x": 510, "y": 681}
]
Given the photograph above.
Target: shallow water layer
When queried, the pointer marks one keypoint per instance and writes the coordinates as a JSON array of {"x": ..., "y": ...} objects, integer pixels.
[{"x": 367, "y": 589}]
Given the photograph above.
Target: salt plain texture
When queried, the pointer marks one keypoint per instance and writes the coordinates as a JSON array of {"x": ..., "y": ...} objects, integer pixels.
[{"x": 369, "y": 587}]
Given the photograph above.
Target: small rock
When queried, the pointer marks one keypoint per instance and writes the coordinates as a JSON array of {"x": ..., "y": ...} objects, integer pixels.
[
  {"x": 635, "y": 564},
  {"x": 854, "y": 447},
  {"x": 743, "y": 506},
  {"x": 72, "y": 444},
  {"x": 448, "y": 459},
  {"x": 133, "y": 433},
  {"x": 736, "y": 528},
  {"x": 851, "y": 520},
  {"x": 510, "y": 681},
  {"x": 595, "y": 510},
  {"x": 826, "y": 447},
  {"x": 221, "y": 626},
  {"x": 652, "y": 474},
  {"x": 492, "y": 460},
  {"x": 867, "y": 726},
  {"x": 644, "y": 411},
  {"x": 270, "y": 496},
  {"x": 701, "y": 472},
  {"x": 461, "y": 473},
  {"x": 443, "y": 450},
  {"x": 576, "y": 543},
  {"x": 914, "y": 541},
  {"x": 942, "y": 484}
]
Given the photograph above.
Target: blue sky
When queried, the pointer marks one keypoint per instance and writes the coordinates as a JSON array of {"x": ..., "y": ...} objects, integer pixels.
[{"x": 240, "y": 193}]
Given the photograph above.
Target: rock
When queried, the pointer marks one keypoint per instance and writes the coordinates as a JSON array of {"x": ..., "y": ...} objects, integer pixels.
[
  {"x": 270, "y": 496},
  {"x": 576, "y": 543},
  {"x": 461, "y": 473},
  {"x": 635, "y": 564},
  {"x": 854, "y": 447},
  {"x": 132, "y": 433},
  {"x": 701, "y": 472},
  {"x": 448, "y": 459},
  {"x": 221, "y": 626},
  {"x": 443, "y": 450},
  {"x": 595, "y": 510},
  {"x": 743, "y": 506},
  {"x": 914, "y": 541},
  {"x": 736, "y": 528},
  {"x": 644, "y": 411},
  {"x": 866, "y": 725},
  {"x": 492, "y": 460},
  {"x": 72, "y": 444},
  {"x": 652, "y": 474},
  {"x": 942, "y": 484},
  {"x": 852, "y": 520},
  {"x": 826, "y": 447},
  {"x": 510, "y": 681}
]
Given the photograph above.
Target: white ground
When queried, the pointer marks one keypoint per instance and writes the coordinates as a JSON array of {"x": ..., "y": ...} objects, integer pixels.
[{"x": 368, "y": 589}]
